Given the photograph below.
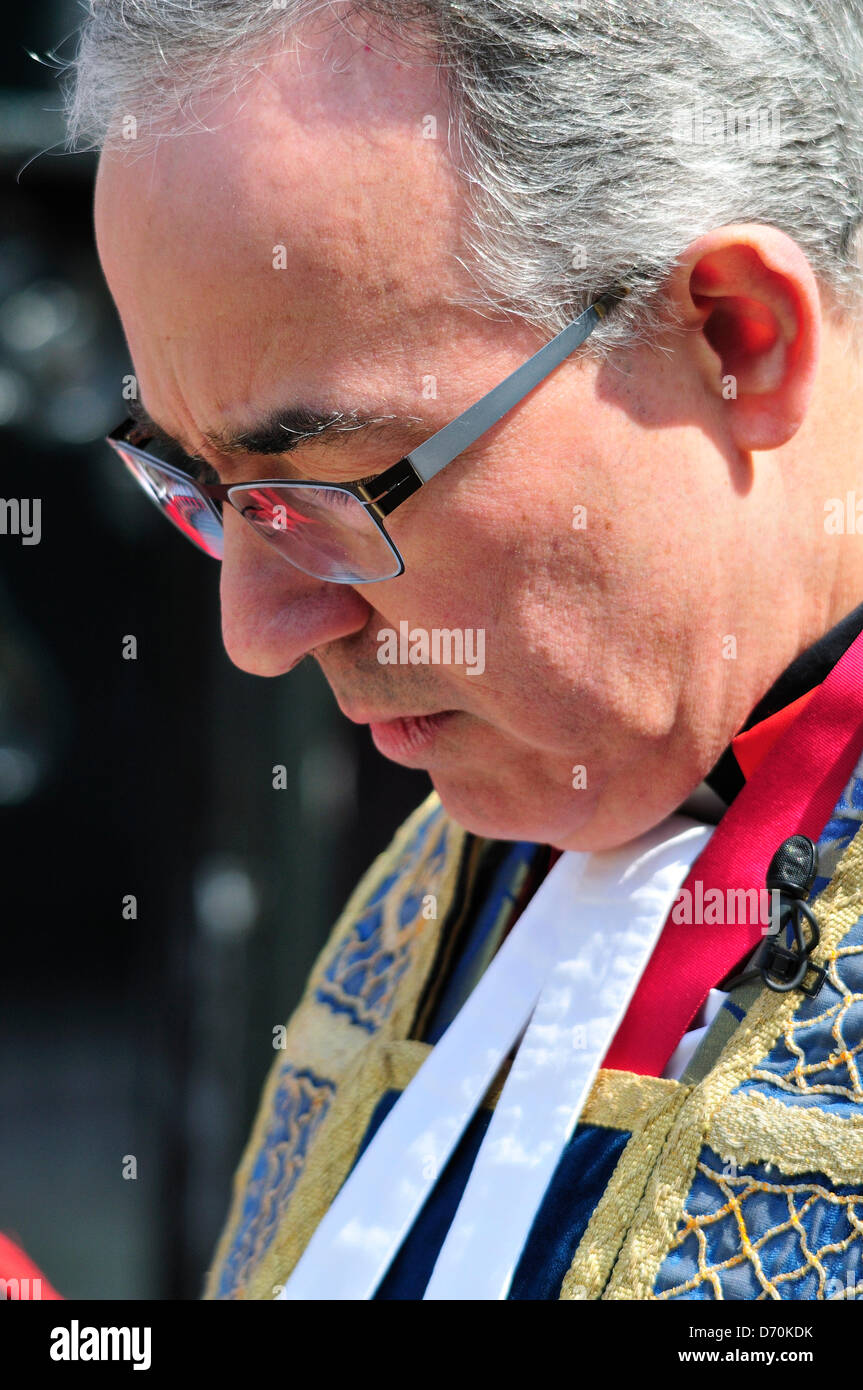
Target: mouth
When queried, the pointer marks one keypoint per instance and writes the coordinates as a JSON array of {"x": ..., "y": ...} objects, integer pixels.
[{"x": 409, "y": 738}]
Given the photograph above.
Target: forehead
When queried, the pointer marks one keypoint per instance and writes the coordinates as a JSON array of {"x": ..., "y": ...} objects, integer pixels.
[{"x": 313, "y": 229}]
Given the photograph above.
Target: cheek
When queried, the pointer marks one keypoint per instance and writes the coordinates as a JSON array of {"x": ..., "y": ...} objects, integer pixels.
[
  {"x": 558, "y": 584},
  {"x": 474, "y": 544},
  {"x": 485, "y": 551}
]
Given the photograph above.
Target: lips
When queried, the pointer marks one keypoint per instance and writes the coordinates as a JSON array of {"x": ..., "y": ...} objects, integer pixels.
[
  {"x": 409, "y": 738},
  {"x": 359, "y": 716}
]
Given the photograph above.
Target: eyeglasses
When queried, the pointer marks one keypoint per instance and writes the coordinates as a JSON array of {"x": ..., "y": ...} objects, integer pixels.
[{"x": 335, "y": 531}]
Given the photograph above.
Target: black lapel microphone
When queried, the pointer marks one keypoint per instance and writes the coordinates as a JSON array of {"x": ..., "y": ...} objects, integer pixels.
[{"x": 791, "y": 873}]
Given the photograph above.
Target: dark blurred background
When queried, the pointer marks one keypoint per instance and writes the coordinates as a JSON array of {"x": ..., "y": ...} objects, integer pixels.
[{"x": 146, "y": 1036}]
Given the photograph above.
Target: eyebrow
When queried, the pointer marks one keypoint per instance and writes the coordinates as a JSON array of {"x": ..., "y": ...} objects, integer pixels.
[{"x": 285, "y": 429}]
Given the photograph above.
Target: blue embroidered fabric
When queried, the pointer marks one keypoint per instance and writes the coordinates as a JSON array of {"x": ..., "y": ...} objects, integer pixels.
[
  {"x": 803, "y": 1237},
  {"x": 361, "y": 978},
  {"x": 802, "y": 1233},
  {"x": 300, "y": 1103},
  {"x": 360, "y": 981}
]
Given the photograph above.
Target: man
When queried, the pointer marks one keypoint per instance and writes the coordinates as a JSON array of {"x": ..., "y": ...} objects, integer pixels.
[{"x": 329, "y": 231}]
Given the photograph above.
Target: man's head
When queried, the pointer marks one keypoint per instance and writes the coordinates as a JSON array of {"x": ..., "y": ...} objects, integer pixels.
[{"x": 380, "y": 224}]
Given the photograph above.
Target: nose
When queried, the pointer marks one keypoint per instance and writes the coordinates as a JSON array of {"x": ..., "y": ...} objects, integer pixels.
[{"x": 272, "y": 614}]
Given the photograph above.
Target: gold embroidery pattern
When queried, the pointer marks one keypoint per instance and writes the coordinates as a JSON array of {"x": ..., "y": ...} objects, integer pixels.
[
  {"x": 788, "y": 1259},
  {"x": 385, "y": 944},
  {"x": 362, "y": 977},
  {"x": 792, "y": 1067},
  {"x": 300, "y": 1103}
]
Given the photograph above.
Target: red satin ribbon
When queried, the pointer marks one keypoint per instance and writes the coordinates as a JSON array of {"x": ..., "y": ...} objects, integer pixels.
[
  {"x": 751, "y": 747},
  {"x": 793, "y": 790}
]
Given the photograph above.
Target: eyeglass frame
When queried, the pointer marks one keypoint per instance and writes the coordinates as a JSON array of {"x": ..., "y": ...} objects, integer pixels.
[{"x": 383, "y": 493}]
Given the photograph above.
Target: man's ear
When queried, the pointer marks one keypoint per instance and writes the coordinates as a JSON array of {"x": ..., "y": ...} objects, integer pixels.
[{"x": 751, "y": 296}]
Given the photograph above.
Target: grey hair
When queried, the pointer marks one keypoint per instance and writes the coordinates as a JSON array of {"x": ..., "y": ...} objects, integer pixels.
[{"x": 579, "y": 126}]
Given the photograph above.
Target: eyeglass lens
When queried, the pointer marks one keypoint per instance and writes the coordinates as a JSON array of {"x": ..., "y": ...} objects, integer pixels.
[{"x": 325, "y": 532}]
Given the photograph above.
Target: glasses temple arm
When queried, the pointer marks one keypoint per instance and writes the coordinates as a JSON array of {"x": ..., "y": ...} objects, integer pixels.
[{"x": 429, "y": 458}]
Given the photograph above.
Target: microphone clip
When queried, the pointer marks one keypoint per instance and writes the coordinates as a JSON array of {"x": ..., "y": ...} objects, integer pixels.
[{"x": 791, "y": 874}]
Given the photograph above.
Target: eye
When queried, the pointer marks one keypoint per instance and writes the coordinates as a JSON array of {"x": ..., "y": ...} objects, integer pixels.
[
  {"x": 169, "y": 452},
  {"x": 197, "y": 468},
  {"x": 200, "y": 470},
  {"x": 335, "y": 500}
]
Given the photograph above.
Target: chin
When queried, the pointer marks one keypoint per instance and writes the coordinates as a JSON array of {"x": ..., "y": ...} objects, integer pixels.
[{"x": 498, "y": 813}]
